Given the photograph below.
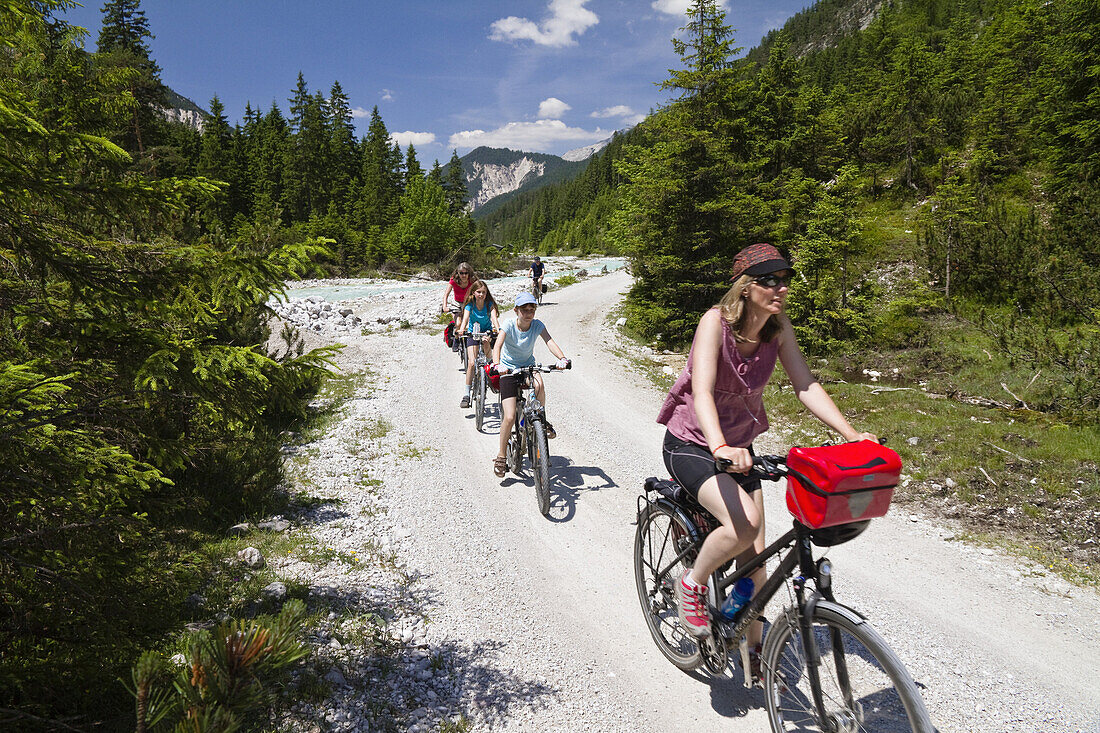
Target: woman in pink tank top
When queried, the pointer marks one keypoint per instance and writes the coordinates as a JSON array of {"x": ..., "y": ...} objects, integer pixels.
[{"x": 715, "y": 410}]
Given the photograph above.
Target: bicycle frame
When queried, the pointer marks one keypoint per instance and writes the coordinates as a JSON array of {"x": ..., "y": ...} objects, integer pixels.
[{"x": 798, "y": 538}]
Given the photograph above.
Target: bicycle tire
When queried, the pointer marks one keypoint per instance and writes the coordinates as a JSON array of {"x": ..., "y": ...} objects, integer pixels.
[
  {"x": 479, "y": 397},
  {"x": 657, "y": 540},
  {"x": 880, "y": 695},
  {"x": 463, "y": 356},
  {"x": 540, "y": 466}
]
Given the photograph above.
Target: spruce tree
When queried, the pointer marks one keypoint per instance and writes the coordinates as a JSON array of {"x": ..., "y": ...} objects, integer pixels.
[
  {"x": 342, "y": 149},
  {"x": 455, "y": 185},
  {"x": 681, "y": 215},
  {"x": 413, "y": 170},
  {"x": 122, "y": 45}
]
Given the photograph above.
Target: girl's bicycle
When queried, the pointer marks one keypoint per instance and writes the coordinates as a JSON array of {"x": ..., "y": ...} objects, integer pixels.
[
  {"x": 529, "y": 434},
  {"x": 480, "y": 386},
  {"x": 822, "y": 666}
]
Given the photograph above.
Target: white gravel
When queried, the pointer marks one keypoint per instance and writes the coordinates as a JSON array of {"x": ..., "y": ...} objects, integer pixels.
[{"x": 500, "y": 619}]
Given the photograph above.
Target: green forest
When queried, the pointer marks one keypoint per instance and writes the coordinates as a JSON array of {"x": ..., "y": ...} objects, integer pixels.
[
  {"x": 935, "y": 172},
  {"x": 944, "y": 160}
]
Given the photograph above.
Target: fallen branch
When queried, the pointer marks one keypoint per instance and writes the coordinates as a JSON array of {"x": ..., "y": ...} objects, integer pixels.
[
  {"x": 1006, "y": 389},
  {"x": 987, "y": 476},
  {"x": 1002, "y": 450}
]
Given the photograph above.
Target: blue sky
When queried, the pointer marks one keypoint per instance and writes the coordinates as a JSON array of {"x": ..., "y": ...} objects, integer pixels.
[{"x": 535, "y": 75}]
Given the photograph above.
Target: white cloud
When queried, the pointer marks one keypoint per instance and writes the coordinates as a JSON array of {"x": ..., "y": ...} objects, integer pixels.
[
  {"x": 408, "y": 137},
  {"x": 621, "y": 112},
  {"x": 387, "y": 95},
  {"x": 679, "y": 7},
  {"x": 530, "y": 136},
  {"x": 359, "y": 113},
  {"x": 567, "y": 17},
  {"x": 552, "y": 108}
]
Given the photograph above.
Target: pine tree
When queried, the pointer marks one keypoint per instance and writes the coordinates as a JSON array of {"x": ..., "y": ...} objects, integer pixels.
[
  {"x": 343, "y": 153},
  {"x": 376, "y": 202},
  {"x": 122, "y": 46},
  {"x": 455, "y": 185},
  {"x": 681, "y": 216},
  {"x": 413, "y": 171}
]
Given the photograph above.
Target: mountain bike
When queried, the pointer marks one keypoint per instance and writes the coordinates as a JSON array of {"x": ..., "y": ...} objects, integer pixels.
[
  {"x": 480, "y": 385},
  {"x": 822, "y": 666},
  {"x": 529, "y": 434},
  {"x": 536, "y": 290},
  {"x": 458, "y": 342}
]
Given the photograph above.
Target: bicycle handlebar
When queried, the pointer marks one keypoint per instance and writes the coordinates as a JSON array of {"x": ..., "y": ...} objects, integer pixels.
[
  {"x": 534, "y": 368},
  {"x": 767, "y": 467}
]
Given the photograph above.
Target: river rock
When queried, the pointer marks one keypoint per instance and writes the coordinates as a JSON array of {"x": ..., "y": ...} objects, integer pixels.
[
  {"x": 251, "y": 557},
  {"x": 239, "y": 530}
]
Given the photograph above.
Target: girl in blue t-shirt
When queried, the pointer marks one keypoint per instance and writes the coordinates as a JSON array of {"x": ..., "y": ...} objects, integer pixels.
[
  {"x": 479, "y": 308},
  {"x": 515, "y": 348}
]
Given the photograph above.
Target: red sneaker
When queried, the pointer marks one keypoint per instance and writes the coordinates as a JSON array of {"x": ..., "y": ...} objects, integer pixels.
[{"x": 691, "y": 604}]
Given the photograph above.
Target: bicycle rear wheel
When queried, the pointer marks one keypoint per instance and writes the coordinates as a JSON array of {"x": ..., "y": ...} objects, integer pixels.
[
  {"x": 540, "y": 465},
  {"x": 479, "y": 397},
  {"x": 463, "y": 355},
  {"x": 660, "y": 537},
  {"x": 865, "y": 687}
]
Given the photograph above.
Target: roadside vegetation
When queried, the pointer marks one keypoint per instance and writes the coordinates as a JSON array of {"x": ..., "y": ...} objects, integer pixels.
[{"x": 939, "y": 198}]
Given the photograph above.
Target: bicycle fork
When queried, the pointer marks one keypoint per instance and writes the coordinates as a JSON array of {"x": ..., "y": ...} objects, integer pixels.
[{"x": 821, "y": 572}]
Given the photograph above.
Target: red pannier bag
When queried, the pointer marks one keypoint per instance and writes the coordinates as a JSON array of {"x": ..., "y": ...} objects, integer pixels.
[
  {"x": 494, "y": 379},
  {"x": 837, "y": 484},
  {"x": 449, "y": 335}
]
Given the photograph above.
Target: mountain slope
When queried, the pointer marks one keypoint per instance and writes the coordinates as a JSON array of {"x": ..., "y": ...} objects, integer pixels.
[{"x": 493, "y": 173}]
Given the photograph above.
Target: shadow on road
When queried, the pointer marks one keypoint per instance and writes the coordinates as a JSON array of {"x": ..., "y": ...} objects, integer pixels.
[{"x": 568, "y": 481}]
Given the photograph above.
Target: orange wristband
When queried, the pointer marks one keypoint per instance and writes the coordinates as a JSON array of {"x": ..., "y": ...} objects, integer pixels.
[{"x": 724, "y": 445}]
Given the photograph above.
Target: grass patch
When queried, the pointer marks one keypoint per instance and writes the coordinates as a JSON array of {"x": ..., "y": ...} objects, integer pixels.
[
  {"x": 1027, "y": 480},
  {"x": 566, "y": 280},
  {"x": 1025, "y": 477}
]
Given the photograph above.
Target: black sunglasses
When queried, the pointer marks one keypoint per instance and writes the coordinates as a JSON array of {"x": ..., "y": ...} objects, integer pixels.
[{"x": 771, "y": 280}]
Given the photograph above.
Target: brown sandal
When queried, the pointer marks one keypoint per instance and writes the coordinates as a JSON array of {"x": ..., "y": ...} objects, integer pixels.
[{"x": 500, "y": 467}]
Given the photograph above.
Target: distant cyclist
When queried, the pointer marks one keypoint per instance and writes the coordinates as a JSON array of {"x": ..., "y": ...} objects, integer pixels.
[
  {"x": 535, "y": 272},
  {"x": 515, "y": 348},
  {"x": 479, "y": 308},
  {"x": 716, "y": 409}
]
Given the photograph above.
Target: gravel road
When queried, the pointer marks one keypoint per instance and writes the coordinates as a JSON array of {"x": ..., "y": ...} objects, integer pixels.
[{"x": 534, "y": 624}]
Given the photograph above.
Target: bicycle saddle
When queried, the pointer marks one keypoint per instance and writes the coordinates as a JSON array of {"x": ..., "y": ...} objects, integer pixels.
[{"x": 672, "y": 491}]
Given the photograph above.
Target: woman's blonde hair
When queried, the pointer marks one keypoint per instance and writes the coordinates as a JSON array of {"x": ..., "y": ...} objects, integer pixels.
[
  {"x": 476, "y": 285},
  {"x": 732, "y": 308}
]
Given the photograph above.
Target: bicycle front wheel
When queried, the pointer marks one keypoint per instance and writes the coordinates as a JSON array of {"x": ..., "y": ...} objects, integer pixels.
[
  {"x": 540, "y": 466},
  {"x": 479, "y": 398},
  {"x": 661, "y": 537},
  {"x": 864, "y": 686}
]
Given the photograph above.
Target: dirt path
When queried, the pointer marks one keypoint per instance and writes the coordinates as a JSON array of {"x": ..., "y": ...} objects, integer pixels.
[{"x": 546, "y": 610}]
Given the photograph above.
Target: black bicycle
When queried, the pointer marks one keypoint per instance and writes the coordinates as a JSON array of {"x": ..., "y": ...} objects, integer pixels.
[
  {"x": 480, "y": 385},
  {"x": 823, "y": 667},
  {"x": 529, "y": 433}
]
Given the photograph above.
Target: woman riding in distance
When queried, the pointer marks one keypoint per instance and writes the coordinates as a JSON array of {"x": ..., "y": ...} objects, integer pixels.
[
  {"x": 479, "y": 308},
  {"x": 514, "y": 349},
  {"x": 715, "y": 410}
]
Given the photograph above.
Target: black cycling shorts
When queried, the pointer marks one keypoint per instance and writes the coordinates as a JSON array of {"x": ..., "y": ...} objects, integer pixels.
[
  {"x": 691, "y": 464},
  {"x": 511, "y": 384}
]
